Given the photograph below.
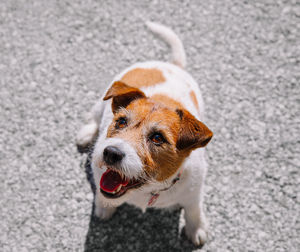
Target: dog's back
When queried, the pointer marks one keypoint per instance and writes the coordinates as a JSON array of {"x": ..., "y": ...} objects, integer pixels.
[{"x": 156, "y": 77}]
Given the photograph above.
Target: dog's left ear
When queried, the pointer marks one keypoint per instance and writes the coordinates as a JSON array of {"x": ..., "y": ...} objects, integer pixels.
[
  {"x": 193, "y": 133},
  {"x": 122, "y": 95}
]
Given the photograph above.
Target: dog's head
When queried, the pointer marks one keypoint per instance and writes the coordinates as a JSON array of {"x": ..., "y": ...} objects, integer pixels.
[{"x": 148, "y": 140}]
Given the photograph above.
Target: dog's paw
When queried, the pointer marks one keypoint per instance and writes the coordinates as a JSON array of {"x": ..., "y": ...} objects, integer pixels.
[
  {"x": 86, "y": 136},
  {"x": 197, "y": 235},
  {"x": 104, "y": 213}
]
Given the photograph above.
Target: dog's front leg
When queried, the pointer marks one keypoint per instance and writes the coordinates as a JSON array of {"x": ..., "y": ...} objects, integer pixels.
[
  {"x": 89, "y": 132},
  {"x": 86, "y": 136},
  {"x": 196, "y": 224},
  {"x": 101, "y": 211}
]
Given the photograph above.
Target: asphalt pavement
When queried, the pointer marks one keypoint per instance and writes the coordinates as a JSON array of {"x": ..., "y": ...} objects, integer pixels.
[{"x": 56, "y": 58}]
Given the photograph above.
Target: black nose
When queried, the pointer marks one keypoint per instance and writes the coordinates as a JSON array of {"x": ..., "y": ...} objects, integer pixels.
[{"x": 112, "y": 155}]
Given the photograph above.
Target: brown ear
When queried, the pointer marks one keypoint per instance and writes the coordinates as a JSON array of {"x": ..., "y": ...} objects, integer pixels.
[
  {"x": 122, "y": 95},
  {"x": 193, "y": 133}
]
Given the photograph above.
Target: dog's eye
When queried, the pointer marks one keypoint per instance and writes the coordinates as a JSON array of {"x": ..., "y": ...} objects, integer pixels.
[
  {"x": 121, "y": 123},
  {"x": 157, "y": 138}
]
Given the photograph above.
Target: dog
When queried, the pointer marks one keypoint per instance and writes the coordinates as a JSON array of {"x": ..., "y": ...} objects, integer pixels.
[{"x": 148, "y": 139}]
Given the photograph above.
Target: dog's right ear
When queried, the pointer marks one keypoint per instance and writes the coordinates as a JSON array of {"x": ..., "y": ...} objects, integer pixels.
[
  {"x": 122, "y": 95},
  {"x": 193, "y": 133}
]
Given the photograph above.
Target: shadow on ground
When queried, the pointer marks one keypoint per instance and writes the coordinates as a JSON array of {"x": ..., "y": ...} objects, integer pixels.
[{"x": 130, "y": 229}]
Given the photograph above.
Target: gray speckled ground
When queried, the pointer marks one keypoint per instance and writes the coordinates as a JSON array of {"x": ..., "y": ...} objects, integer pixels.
[{"x": 56, "y": 58}]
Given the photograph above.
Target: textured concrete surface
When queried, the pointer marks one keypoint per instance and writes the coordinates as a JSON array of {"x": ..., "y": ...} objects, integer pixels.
[{"x": 56, "y": 58}]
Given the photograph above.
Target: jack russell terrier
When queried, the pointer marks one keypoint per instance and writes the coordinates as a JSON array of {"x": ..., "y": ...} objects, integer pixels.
[{"x": 148, "y": 139}]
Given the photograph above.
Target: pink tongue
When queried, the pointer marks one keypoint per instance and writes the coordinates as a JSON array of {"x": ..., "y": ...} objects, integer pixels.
[{"x": 111, "y": 180}]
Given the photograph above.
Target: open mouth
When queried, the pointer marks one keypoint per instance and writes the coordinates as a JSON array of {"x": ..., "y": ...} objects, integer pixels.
[{"x": 113, "y": 185}]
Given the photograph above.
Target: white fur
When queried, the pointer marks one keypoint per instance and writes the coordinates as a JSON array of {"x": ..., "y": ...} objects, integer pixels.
[
  {"x": 87, "y": 134},
  {"x": 188, "y": 191},
  {"x": 130, "y": 165},
  {"x": 172, "y": 39}
]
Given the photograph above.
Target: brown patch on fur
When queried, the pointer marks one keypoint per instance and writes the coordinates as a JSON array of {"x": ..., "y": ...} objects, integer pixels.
[
  {"x": 122, "y": 95},
  {"x": 194, "y": 99},
  {"x": 193, "y": 133},
  {"x": 167, "y": 101},
  {"x": 143, "y": 77}
]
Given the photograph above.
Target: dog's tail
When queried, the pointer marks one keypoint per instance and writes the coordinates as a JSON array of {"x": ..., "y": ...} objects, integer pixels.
[{"x": 178, "y": 53}]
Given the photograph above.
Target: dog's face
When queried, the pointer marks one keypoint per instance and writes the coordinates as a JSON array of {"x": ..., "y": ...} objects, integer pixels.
[{"x": 148, "y": 140}]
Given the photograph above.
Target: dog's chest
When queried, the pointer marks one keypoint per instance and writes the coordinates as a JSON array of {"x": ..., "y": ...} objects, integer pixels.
[
  {"x": 155, "y": 198},
  {"x": 168, "y": 196}
]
